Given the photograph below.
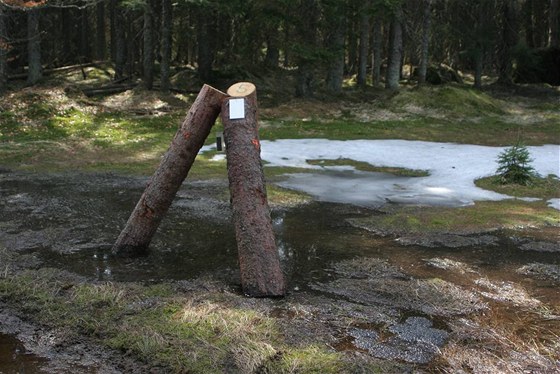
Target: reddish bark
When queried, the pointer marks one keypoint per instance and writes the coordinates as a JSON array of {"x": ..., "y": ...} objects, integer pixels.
[
  {"x": 259, "y": 262},
  {"x": 173, "y": 169}
]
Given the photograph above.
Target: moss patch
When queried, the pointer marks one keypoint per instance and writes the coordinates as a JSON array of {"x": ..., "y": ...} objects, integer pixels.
[
  {"x": 364, "y": 166},
  {"x": 482, "y": 216},
  {"x": 544, "y": 188}
]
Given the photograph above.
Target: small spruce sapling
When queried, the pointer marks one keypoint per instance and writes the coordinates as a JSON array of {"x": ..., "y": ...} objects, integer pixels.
[{"x": 514, "y": 166}]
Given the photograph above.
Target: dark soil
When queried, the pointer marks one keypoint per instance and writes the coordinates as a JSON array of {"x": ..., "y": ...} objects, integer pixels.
[{"x": 413, "y": 304}]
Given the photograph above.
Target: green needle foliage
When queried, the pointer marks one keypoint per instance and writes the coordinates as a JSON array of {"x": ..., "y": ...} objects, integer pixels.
[{"x": 514, "y": 166}]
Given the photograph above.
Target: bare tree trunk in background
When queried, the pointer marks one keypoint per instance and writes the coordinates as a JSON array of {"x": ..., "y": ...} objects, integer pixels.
[
  {"x": 84, "y": 47},
  {"x": 540, "y": 23},
  {"x": 307, "y": 32},
  {"x": 119, "y": 43},
  {"x": 364, "y": 47},
  {"x": 101, "y": 42},
  {"x": 376, "y": 47},
  {"x": 3, "y": 51},
  {"x": 172, "y": 170},
  {"x": 132, "y": 49},
  {"x": 395, "y": 51},
  {"x": 272, "y": 57},
  {"x": 554, "y": 20},
  {"x": 335, "y": 74},
  {"x": 205, "y": 45},
  {"x": 529, "y": 24},
  {"x": 426, "y": 25},
  {"x": 259, "y": 262},
  {"x": 148, "y": 60},
  {"x": 508, "y": 41},
  {"x": 478, "y": 65},
  {"x": 166, "y": 42},
  {"x": 34, "y": 46}
]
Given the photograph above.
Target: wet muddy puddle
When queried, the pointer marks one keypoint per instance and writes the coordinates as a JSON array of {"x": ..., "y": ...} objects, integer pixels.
[
  {"x": 70, "y": 222},
  {"x": 15, "y": 359}
]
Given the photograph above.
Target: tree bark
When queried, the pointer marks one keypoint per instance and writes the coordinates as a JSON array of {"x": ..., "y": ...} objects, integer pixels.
[
  {"x": 307, "y": 33},
  {"x": 478, "y": 59},
  {"x": 205, "y": 46},
  {"x": 541, "y": 27},
  {"x": 148, "y": 60},
  {"x": 166, "y": 41},
  {"x": 528, "y": 23},
  {"x": 376, "y": 47},
  {"x": 85, "y": 48},
  {"x": 68, "y": 31},
  {"x": 335, "y": 74},
  {"x": 3, "y": 51},
  {"x": 554, "y": 21},
  {"x": 119, "y": 43},
  {"x": 173, "y": 169},
  {"x": 424, "y": 56},
  {"x": 132, "y": 45},
  {"x": 259, "y": 262},
  {"x": 364, "y": 49},
  {"x": 34, "y": 46},
  {"x": 395, "y": 51},
  {"x": 101, "y": 42},
  {"x": 509, "y": 40}
]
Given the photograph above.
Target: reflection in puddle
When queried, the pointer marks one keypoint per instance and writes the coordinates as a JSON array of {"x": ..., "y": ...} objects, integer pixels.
[
  {"x": 14, "y": 358},
  {"x": 71, "y": 224}
]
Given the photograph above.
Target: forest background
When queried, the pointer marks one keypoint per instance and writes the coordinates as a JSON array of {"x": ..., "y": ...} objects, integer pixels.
[{"x": 320, "y": 42}]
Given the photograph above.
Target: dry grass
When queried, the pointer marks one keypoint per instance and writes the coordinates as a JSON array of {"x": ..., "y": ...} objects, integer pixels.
[{"x": 499, "y": 341}]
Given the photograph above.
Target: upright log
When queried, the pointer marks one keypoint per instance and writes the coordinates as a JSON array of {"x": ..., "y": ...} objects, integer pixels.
[
  {"x": 172, "y": 170},
  {"x": 259, "y": 262}
]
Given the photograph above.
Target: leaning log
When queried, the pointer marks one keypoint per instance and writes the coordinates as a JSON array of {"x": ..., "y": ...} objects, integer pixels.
[
  {"x": 259, "y": 262},
  {"x": 172, "y": 170}
]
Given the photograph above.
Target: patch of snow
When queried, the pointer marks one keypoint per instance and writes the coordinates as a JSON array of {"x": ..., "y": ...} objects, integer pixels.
[
  {"x": 554, "y": 203},
  {"x": 453, "y": 169}
]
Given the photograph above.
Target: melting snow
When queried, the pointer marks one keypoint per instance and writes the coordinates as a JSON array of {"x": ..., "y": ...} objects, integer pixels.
[{"x": 452, "y": 167}]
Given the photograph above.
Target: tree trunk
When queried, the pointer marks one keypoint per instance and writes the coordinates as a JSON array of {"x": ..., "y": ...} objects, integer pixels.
[
  {"x": 68, "y": 31},
  {"x": 34, "y": 47},
  {"x": 478, "y": 58},
  {"x": 261, "y": 274},
  {"x": 529, "y": 25},
  {"x": 352, "y": 44},
  {"x": 395, "y": 51},
  {"x": 101, "y": 42},
  {"x": 272, "y": 57},
  {"x": 335, "y": 75},
  {"x": 509, "y": 40},
  {"x": 364, "y": 49},
  {"x": 131, "y": 43},
  {"x": 554, "y": 20},
  {"x": 120, "y": 43},
  {"x": 307, "y": 33},
  {"x": 148, "y": 60},
  {"x": 113, "y": 22},
  {"x": 540, "y": 20},
  {"x": 377, "y": 58},
  {"x": 205, "y": 46},
  {"x": 173, "y": 169},
  {"x": 166, "y": 41},
  {"x": 3, "y": 51},
  {"x": 424, "y": 56},
  {"x": 85, "y": 50}
]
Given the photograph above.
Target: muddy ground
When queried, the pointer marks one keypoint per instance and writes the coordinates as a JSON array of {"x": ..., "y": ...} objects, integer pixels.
[{"x": 451, "y": 302}]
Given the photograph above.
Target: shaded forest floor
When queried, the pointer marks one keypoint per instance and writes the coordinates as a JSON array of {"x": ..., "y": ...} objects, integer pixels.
[{"x": 436, "y": 300}]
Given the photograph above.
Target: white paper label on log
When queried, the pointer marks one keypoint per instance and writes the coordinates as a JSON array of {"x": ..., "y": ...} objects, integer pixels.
[{"x": 236, "y": 108}]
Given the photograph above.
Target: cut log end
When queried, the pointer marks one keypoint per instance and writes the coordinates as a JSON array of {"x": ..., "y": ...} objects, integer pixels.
[{"x": 241, "y": 89}]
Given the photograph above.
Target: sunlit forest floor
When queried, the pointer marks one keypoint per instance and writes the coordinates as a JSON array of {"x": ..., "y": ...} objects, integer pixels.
[{"x": 205, "y": 324}]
